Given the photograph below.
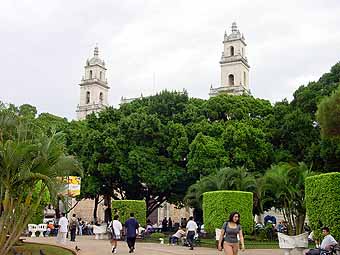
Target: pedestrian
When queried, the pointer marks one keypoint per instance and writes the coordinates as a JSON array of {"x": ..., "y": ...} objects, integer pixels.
[
  {"x": 115, "y": 232},
  {"x": 170, "y": 224},
  {"x": 74, "y": 225},
  {"x": 177, "y": 236},
  {"x": 164, "y": 225},
  {"x": 191, "y": 232},
  {"x": 228, "y": 238},
  {"x": 62, "y": 231},
  {"x": 81, "y": 225},
  {"x": 131, "y": 229}
]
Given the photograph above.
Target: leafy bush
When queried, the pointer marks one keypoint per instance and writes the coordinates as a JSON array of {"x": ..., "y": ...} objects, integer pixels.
[
  {"x": 124, "y": 207},
  {"x": 323, "y": 202},
  {"x": 157, "y": 235},
  {"x": 217, "y": 205}
]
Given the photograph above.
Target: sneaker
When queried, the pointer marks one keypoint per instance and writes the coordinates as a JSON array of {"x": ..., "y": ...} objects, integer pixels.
[
  {"x": 191, "y": 248},
  {"x": 113, "y": 250}
]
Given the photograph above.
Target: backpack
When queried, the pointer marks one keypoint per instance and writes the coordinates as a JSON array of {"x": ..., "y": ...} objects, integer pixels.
[
  {"x": 110, "y": 230},
  {"x": 74, "y": 224}
]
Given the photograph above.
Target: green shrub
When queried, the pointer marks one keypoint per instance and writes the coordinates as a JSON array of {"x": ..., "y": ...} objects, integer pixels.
[
  {"x": 217, "y": 206},
  {"x": 124, "y": 207},
  {"x": 323, "y": 202},
  {"x": 157, "y": 235}
]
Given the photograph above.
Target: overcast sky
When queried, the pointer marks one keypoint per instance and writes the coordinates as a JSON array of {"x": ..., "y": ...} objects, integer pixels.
[{"x": 44, "y": 45}]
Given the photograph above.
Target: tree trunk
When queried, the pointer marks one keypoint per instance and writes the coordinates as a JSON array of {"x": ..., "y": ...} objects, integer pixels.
[
  {"x": 95, "y": 217},
  {"x": 300, "y": 220},
  {"x": 108, "y": 211}
]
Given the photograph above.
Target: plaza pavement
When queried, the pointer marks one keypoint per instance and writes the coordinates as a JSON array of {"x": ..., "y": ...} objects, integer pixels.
[{"x": 89, "y": 246}]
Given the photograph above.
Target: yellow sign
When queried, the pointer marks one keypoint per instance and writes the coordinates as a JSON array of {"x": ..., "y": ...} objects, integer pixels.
[{"x": 73, "y": 186}]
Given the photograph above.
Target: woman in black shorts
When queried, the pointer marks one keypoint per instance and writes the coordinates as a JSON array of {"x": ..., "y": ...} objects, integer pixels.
[{"x": 231, "y": 235}]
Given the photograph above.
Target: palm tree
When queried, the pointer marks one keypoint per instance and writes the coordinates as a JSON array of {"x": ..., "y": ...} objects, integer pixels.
[
  {"x": 224, "y": 179},
  {"x": 28, "y": 159},
  {"x": 284, "y": 188}
]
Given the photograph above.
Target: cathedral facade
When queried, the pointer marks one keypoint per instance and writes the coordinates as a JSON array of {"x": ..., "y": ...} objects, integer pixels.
[
  {"x": 234, "y": 65},
  {"x": 234, "y": 76}
]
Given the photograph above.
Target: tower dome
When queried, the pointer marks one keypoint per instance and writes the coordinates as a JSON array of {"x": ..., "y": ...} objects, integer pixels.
[{"x": 95, "y": 60}]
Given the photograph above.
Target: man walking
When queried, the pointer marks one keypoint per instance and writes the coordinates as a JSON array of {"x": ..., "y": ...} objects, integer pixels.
[
  {"x": 131, "y": 229},
  {"x": 62, "y": 231},
  {"x": 74, "y": 225},
  {"x": 191, "y": 232}
]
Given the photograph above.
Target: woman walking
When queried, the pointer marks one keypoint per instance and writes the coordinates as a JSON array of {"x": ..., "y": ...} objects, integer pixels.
[{"x": 231, "y": 235}]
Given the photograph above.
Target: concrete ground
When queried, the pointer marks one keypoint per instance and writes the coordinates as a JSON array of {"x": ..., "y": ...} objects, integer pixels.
[{"x": 89, "y": 246}]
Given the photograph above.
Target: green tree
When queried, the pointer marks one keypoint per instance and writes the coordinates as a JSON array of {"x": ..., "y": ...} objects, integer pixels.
[
  {"x": 284, "y": 188},
  {"x": 206, "y": 155},
  {"x": 328, "y": 115},
  {"x": 27, "y": 111},
  {"x": 248, "y": 146},
  {"x": 27, "y": 158},
  {"x": 224, "y": 179}
]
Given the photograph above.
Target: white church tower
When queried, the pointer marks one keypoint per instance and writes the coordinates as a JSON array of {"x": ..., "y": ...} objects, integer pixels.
[
  {"x": 234, "y": 65},
  {"x": 93, "y": 87}
]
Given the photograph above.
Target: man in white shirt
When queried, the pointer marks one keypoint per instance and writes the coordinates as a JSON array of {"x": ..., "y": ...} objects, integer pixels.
[
  {"x": 63, "y": 229},
  {"x": 328, "y": 240},
  {"x": 326, "y": 244},
  {"x": 191, "y": 232},
  {"x": 115, "y": 232}
]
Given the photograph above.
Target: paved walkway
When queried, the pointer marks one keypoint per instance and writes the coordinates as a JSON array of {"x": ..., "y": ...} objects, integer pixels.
[{"x": 89, "y": 246}]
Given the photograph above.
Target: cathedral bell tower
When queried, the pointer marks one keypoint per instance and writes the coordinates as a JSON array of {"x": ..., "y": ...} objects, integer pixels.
[
  {"x": 234, "y": 65},
  {"x": 93, "y": 87}
]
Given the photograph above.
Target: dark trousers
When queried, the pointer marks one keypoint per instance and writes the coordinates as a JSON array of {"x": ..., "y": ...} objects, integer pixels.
[
  {"x": 173, "y": 239},
  {"x": 190, "y": 238},
  {"x": 313, "y": 252},
  {"x": 131, "y": 242},
  {"x": 73, "y": 234}
]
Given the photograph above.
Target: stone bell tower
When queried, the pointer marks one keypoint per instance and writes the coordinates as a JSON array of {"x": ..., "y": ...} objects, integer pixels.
[
  {"x": 234, "y": 65},
  {"x": 93, "y": 87}
]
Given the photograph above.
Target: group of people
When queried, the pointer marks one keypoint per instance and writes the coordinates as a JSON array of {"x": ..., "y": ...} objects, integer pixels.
[
  {"x": 190, "y": 231},
  {"x": 230, "y": 240},
  {"x": 115, "y": 230}
]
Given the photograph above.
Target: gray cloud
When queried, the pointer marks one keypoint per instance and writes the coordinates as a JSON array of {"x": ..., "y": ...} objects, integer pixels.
[{"x": 44, "y": 46}]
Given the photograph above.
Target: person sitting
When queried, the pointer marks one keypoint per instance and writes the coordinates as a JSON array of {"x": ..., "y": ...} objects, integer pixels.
[
  {"x": 177, "y": 236},
  {"x": 326, "y": 245}
]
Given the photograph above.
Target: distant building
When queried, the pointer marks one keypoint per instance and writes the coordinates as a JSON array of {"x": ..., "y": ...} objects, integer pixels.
[
  {"x": 234, "y": 65},
  {"x": 124, "y": 100},
  {"x": 93, "y": 87}
]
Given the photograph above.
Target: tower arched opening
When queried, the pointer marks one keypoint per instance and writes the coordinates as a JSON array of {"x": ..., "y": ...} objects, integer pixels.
[
  {"x": 88, "y": 97},
  {"x": 232, "y": 51},
  {"x": 231, "y": 80}
]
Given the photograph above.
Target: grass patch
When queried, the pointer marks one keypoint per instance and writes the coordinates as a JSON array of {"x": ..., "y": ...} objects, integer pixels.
[{"x": 34, "y": 249}]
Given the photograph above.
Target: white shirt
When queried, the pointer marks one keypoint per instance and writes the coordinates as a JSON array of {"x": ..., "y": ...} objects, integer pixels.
[
  {"x": 327, "y": 241},
  {"x": 117, "y": 227},
  {"x": 191, "y": 226},
  {"x": 63, "y": 223},
  {"x": 179, "y": 233}
]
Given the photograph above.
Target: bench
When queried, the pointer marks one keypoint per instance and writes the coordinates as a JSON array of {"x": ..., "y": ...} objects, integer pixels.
[{"x": 100, "y": 232}]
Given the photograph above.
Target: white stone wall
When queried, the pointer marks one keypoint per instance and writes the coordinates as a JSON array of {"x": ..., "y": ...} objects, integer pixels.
[
  {"x": 95, "y": 72},
  {"x": 95, "y": 91},
  {"x": 238, "y": 46},
  {"x": 237, "y": 69}
]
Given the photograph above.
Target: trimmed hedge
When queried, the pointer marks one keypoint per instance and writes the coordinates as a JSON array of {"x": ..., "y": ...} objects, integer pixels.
[
  {"x": 124, "y": 207},
  {"x": 323, "y": 202},
  {"x": 217, "y": 206}
]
